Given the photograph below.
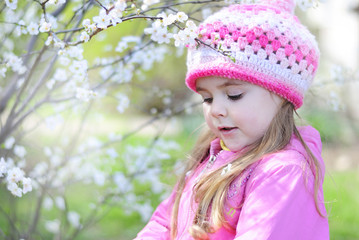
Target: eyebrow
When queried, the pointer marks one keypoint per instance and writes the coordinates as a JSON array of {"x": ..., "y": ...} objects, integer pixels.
[{"x": 230, "y": 82}]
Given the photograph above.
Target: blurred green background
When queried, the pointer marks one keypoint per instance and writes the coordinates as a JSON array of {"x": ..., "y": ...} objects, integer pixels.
[{"x": 339, "y": 129}]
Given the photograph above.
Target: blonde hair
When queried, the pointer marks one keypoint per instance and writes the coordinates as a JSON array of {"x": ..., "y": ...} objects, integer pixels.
[{"x": 211, "y": 191}]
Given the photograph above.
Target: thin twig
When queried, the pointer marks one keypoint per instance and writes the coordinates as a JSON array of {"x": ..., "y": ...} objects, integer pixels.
[
  {"x": 70, "y": 30},
  {"x": 101, "y": 5},
  {"x": 98, "y": 30}
]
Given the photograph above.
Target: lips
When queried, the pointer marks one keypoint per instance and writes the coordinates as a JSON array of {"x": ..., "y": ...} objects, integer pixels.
[{"x": 226, "y": 129}]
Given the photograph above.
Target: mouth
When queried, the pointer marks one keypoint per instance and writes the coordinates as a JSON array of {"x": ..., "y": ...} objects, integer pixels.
[{"x": 226, "y": 129}]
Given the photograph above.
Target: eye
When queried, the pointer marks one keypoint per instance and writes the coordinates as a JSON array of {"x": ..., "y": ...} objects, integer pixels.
[
  {"x": 235, "y": 97},
  {"x": 207, "y": 100}
]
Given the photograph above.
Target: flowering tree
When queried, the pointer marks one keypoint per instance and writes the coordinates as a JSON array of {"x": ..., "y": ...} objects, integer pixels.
[
  {"x": 47, "y": 86},
  {"x": 45, "y": 80}
]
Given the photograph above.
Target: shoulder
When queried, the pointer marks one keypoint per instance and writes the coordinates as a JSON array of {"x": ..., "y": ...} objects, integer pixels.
[
  {"x": 283, "y": 167},
  {"x": 283, "y": 158}
]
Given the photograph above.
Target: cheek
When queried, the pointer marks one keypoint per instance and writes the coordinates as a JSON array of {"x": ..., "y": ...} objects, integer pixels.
[
  {"x": 205, "y": 112},
  {"x": 254, "y": 122},
  {"x": 263, "y": 118},
  {"x": 207, "y": 117}
]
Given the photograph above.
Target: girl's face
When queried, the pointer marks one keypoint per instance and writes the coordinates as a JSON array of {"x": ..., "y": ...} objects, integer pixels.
[{"x": 237, "y": 112}]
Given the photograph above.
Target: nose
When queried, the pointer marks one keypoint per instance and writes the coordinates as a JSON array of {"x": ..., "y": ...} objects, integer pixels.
[{"x": 218, "y": 109}]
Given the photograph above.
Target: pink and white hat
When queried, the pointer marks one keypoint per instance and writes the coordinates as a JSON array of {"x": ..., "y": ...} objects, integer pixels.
[{"x": 268, "y": 46}]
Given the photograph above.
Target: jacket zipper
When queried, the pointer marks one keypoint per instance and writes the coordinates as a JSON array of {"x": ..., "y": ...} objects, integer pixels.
[{"x": 209, "y": 164}]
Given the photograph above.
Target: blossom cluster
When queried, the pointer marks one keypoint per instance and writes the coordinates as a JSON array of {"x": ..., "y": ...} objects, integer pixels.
[
  {"x": 146, "y": 165},
  {"x": 16, "y": 181},
  {"x": 103, "y": 20},
  {"x": 14, "y": 62},
  {"x": 159, "y": 29}
]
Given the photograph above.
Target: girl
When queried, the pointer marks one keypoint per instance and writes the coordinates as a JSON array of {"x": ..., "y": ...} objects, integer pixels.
[{"x": 253, "y": 174}]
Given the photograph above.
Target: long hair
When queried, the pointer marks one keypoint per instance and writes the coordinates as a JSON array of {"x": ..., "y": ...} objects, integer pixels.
[{"x": 211, "y": 191}]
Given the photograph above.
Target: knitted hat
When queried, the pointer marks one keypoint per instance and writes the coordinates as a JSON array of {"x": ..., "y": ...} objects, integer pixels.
[{"x": 268, "y": 46}]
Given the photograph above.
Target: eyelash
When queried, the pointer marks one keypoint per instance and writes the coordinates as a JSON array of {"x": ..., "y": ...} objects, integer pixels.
[
  {"x": 207, "y": 100},
  {"x": 230, "y": 97},
  {"x": 235, "y": 97}
]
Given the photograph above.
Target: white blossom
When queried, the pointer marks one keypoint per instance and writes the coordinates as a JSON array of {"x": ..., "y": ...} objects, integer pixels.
[
  {"x": 60, "y": 75},
  {"x": 26, "y": 185},
  {"x": 114, "y": 137},
  {"x": 14, "y": 189},
  {"x": 77, "y": 53},
  {"x": 153, "y": 111},
  {"x": 99, "y": 177},
  {"x": 166, "y": 100},
  {"x": 121, "y": 46},
  {"x": 53, "y": 226},
  {"x": 56, "y": 2},
  {"x": 3, "y": 71},
  {"x": 84, "y": 37},
  {"x": 14, "y": 175},
  {"x": 106, "y": 72},
  {"x": 50, "y": 84},
  {"x": 78, "y": 66},
  {"x": 55, "y": 161},
  {"x": 47, "y": 151},
  {"x": 111, "y": 152},
  {"x": 337, "y": 74},
  {"x": 50, "y": 19},
  {"x": 3, "y": 167},
  {"x": 20, "y": 151},
  {"x": 115, "y": 16},
  {"x": 49, "y": 40},
  {"x": 192, "y": 28},
  {"x": 21, "y": 28},
  {"x": 86, "y": 23},
  {"x": 92, "y": 27},
  {"x": 334, "y": 101},
  {"x": 163, "y": 36},
  {"x": 21, "y": 163},
  {"x": 158, "y": 33},
  {"x": 186, "y": 36},
  {"x": 122, "y": 183},
  {"x": 59, "y": 44},
  {"x": 60, "y": 203},
  {"x": 9, "y": 143},
  {"x": 74, "y": 219},
  {"x": 145, "y": 210},
  {"x": 64, "y": 61},
  {"x": 48, "y": 203},
  {"x": 39, "y": 170},
  {"x": 102, "y": 20},
  {"x": 168, "y": 20},
  {"x": 147, "y": 3},
  {"x": 121, "y": 5},
  {"x": 53, "y": 121},
  {"x": 15, "y": 63},
  {"x": 45, "y": 26},
  {"x": 12, "y": 4},
  {"x": 85, "y": 94},
  {"x": 181, "y": 17},
  {"x": 123, "y": 102},
  {"x": 33, "y": 28}
]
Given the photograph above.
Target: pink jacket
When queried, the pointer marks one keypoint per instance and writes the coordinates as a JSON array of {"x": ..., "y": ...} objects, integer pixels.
[{"x": 276, "y": 192}]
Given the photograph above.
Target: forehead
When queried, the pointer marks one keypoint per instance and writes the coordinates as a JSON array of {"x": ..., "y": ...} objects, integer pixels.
[{"x": 213, "y": 81}]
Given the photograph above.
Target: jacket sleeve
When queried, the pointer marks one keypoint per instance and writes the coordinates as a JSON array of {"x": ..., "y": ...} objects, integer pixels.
[
  {"x": 279, "y": 204},
  {"x": 159, "y": 225}
]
